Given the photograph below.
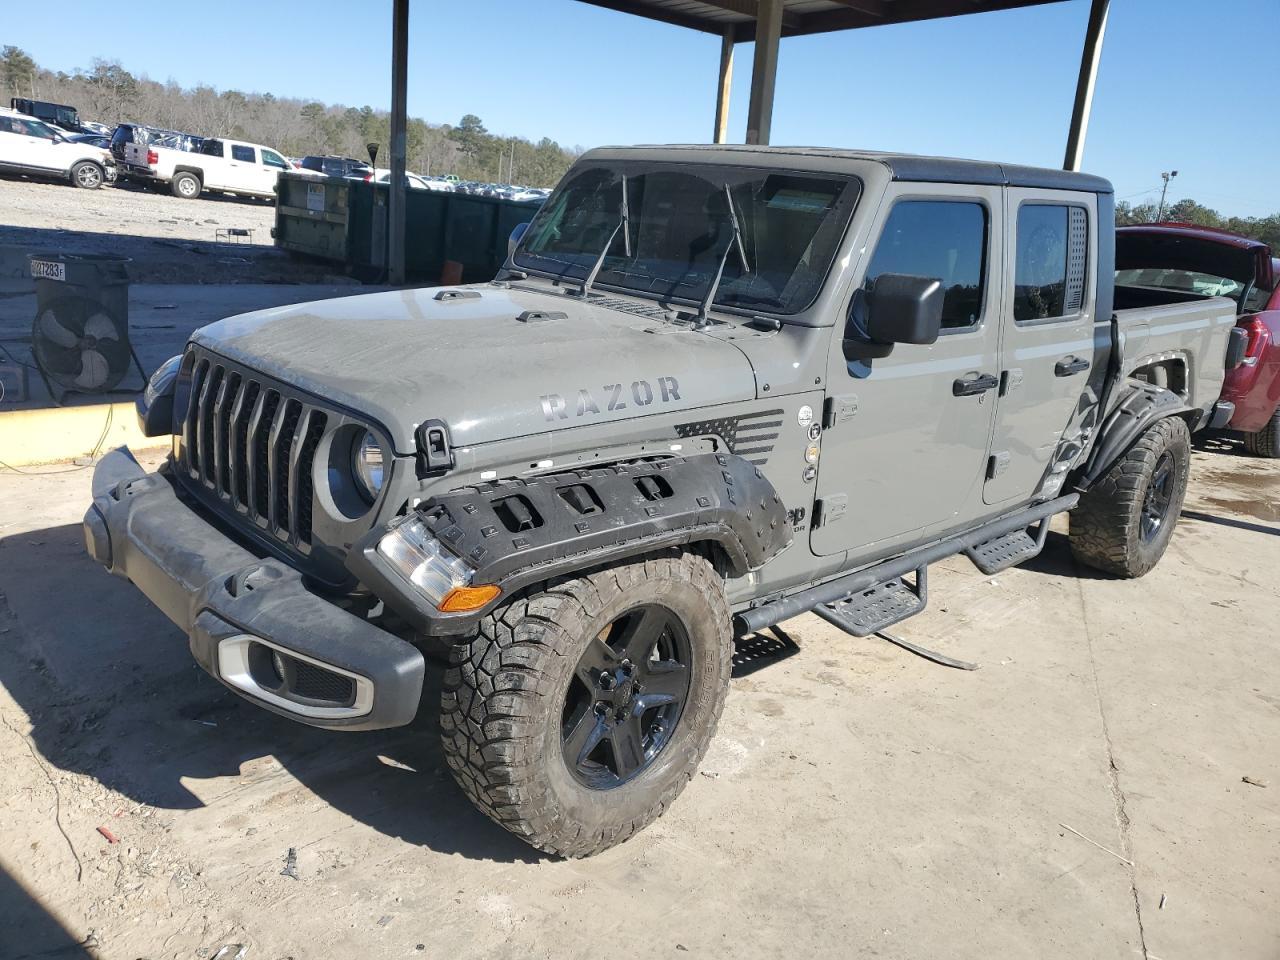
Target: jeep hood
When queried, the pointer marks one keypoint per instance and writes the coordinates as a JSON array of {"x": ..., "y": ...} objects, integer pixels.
[{"x": 404, "y": 356}]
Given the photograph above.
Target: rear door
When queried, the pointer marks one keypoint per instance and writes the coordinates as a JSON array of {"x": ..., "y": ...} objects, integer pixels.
[
  {"x": 1047, "y": 340},
  {"x": 243, "y": 169},
  {"x": 906, "y": 435}
]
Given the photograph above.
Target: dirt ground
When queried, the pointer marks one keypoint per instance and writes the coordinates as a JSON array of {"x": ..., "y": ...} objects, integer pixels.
[
  {"x": 170, "y": 240},
  {"x": 1083, "y": 794}
]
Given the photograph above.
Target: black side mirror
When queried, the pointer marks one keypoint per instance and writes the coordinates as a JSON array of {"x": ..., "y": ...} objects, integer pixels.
[{"x": 898, "y": 308}]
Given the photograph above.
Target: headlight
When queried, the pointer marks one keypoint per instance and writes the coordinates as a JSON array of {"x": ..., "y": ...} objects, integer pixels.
[
  {"x": 443, "y": 578},
  {"x": 162, "y": 380},
  {"x": 366, "y": 464}
]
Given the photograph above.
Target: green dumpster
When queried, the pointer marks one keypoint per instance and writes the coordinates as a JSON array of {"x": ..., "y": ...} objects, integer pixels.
[{"x": 346, "y": 221}]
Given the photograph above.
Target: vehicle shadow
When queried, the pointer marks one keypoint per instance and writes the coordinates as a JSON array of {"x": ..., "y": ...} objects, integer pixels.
[
  {"x": 28, "y": 930},
  {"x": 1230, "y": 522},
  {"x": 113, "y": 694},
  {"x": 1056, "y": 560}
]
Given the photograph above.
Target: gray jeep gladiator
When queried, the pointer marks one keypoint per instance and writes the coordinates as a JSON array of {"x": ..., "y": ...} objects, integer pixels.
[{"x": 711, "y": 389}]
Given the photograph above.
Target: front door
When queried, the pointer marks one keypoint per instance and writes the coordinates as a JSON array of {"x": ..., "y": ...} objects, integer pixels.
[
  {"x": 906, "y": 436},
  {"x": 1047, "y": 351}
]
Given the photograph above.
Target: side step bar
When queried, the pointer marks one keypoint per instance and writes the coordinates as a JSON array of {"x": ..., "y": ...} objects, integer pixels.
[
  {"x": 1001, "y": 553},
  {"x": 833, "y": 591},
  {"x": 877, "y": 607}
]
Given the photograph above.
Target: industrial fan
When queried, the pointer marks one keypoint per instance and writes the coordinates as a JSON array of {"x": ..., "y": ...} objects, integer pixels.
[{"x": 81, "y": 347}]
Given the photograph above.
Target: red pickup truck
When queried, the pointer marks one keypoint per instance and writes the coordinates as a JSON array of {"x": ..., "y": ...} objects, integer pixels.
[{"x": 1204, "y": 260}]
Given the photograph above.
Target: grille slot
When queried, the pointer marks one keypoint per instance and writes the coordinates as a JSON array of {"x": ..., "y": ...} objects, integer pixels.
[{"x": 253, "y": 447}]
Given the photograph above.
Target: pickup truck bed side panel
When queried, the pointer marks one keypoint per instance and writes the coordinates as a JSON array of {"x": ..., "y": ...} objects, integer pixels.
[{"x": 1192, "y": 336}]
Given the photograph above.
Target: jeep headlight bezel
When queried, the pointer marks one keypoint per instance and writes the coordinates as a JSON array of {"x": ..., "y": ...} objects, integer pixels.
[{"x": 368, "y": 465}]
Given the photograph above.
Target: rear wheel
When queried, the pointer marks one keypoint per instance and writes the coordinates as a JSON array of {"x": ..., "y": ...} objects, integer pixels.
[
  {"x": 1265, "y": 442},
  {"x": 87, "y": 175},
  {"x": 186, "y": 185},
  {"x": 577, "y": 714},
  {"x": 1124, "y": 522}
]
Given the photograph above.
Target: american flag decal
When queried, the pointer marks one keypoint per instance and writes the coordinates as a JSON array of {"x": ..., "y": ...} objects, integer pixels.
[{"x": 751, "y": 435}]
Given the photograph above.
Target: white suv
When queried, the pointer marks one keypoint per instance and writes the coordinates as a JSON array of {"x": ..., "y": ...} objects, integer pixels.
[{"x": 30, "y": 146}]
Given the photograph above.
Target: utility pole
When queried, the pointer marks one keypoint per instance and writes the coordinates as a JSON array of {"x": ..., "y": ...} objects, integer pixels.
[
  {"x": 399, "y": 89},
  {"x": 1166, "y": 177}
]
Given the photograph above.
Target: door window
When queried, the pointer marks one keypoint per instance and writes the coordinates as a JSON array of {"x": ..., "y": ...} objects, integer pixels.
[
  {"x": 943, "y": 240},
  {"x": 273, "y": 159},
  {"x": 243, "y": 154},
  {"x": 1052, "y": 254}
]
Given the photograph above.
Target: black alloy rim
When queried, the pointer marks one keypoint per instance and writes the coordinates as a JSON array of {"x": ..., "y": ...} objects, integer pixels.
[
  {"x": 1155, "y": 505},
  {"x": 626, "y": 697}
]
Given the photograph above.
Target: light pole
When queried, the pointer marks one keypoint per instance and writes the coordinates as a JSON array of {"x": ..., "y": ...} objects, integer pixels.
[{"x": 1166, "y": 177}]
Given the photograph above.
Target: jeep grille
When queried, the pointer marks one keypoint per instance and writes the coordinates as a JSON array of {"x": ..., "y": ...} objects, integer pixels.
[{"x": 253, "y": 447}]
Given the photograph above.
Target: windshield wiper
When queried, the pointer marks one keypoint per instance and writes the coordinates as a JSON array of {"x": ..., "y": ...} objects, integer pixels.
[
  {"x": 735, "y": 240},
  {"x": 624, "y": 224}
]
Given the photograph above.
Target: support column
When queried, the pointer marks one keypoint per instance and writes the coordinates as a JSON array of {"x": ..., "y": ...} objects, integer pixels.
[
  {"x": 721, "y": 132},
  {"x": 399, "y": 127},
  {"x": 1089, "y": 58},
  {"x": 764, "y": 70}
]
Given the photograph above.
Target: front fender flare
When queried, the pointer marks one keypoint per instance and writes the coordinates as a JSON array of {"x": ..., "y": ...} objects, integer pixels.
[{"x": 519, "y": 532}]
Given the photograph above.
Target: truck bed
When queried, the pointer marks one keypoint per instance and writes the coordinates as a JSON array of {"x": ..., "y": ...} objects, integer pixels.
[{"x": 1176, "y": 340}]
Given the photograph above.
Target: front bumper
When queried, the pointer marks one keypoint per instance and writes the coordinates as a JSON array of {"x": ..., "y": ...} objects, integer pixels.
[{"x": 238, "y": 610}]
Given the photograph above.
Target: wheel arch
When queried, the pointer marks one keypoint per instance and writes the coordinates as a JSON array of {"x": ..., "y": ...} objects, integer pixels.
[
  {"x": 1141, "y": 404},
  {"x": 519, "y": 532}
]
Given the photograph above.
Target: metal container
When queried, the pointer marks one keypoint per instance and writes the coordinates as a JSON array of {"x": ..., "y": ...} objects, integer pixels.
[{"x": 346, "y": 221}]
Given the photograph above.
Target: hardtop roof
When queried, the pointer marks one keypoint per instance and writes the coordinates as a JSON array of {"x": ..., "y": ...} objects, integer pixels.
[{"x": 902, "y": 166}]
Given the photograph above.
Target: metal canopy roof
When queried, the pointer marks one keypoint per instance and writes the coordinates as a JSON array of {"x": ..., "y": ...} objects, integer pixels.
[{"x": 801, "y": 17}]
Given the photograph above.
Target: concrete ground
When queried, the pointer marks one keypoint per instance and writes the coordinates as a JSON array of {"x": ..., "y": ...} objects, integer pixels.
[{"x": 1083, "y": 794}]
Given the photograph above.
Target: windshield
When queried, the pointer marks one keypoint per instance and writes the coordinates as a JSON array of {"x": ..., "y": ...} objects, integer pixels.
[{"x": 679, "y": 228}]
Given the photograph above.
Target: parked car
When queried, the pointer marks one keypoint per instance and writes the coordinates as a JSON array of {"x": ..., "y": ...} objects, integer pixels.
[
  {"x": 338, "y": 167},
  {"x": 93, "y": 139},
  {"x": 1186, "y": 258},
  {"x": 58, "y": 115},
  {"x": 228, "y": 166},
  {"x": 711, "y": 389},
  {"x": 31, "y": 147},
  {"x": 413, "y": 181}
]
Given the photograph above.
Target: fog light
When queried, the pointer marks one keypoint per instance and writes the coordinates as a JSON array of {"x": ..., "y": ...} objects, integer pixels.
[{"x": 418, "y": 557}]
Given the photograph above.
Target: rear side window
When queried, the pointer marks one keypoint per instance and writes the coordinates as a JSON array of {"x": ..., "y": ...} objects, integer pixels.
[
  {"x": 943, "y": 240},
  {"x": 243, "y": 154},
  {"x": 1051, "y": 259}
]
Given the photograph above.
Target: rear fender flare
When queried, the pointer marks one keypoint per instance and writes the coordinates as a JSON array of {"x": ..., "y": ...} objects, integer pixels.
[{"x": 1141, "y": 405}]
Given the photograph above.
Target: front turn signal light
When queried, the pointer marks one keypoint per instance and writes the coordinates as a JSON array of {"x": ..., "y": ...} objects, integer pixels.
[{"x": 466, "y": 599}]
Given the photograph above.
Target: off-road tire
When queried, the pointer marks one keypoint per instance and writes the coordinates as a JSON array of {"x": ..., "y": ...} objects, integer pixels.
[
  {"x": 1106, "y": 525},
  {"x": 88, "y": 175},
  {"x": 1265, "y": 442},
  {"x": 504, "y": 693},
  {"x": 176, "y": 185}
]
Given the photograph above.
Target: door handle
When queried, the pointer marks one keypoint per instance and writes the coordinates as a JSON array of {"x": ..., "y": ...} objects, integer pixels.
[
  {"x": 1068, "y": 366},
  {"x": 974, "y": 385}
]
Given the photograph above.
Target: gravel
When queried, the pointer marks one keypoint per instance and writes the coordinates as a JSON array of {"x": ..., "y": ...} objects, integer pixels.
[{"x": 170, "y": 240}]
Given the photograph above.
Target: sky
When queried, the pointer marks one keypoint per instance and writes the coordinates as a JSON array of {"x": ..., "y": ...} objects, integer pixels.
[{"x": 1184, "y": 85}]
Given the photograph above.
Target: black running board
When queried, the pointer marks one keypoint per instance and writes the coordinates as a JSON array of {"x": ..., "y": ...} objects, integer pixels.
[
  {"x": 1001, "y": 553},
  {"x": 784, "y": 608},
  {"x": 878, "y": 606}
]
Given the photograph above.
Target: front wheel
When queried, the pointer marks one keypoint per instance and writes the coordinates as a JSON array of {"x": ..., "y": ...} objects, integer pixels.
[
  {"x": 87, "y": 175},
  {"x": 1123, "y": 523},
  {"x": 578, "y": 713}
]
